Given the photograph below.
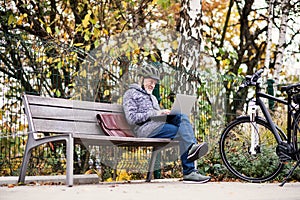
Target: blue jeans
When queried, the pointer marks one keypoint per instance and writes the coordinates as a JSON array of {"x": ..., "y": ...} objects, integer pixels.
[{"x": 179, "y": 127}]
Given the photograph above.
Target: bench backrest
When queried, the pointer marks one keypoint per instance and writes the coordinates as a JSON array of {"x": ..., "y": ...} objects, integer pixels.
[{"x": 54, "y": 115}]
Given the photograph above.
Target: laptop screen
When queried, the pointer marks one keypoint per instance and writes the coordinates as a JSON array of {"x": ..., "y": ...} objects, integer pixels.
[{"x": 183, "y": 104}]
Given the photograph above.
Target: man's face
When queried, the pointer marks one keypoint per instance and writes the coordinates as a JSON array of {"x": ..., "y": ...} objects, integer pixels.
[{"x": 149, "y": 84}]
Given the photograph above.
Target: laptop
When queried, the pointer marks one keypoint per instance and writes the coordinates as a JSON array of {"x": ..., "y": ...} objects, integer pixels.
[{"x": 183, "y": 105}]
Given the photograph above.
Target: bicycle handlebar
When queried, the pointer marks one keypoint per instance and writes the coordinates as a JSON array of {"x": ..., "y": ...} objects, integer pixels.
[
  {"x": 251, "y": 80},
  {"x": 288, "y": 88},
  {"x": 257, "y": 75}
]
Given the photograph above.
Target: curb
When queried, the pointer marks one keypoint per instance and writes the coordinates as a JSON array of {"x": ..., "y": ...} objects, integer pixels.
[
  {"x": 78, "y": 180},
  {"x": 59, "y": 179}
]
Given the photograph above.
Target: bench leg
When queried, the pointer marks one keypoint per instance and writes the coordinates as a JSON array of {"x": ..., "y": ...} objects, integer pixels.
[
  {"x": 24, "y": 165},
  {"x": 155, "y": 151},
  {"x": 70, "y": 162}
]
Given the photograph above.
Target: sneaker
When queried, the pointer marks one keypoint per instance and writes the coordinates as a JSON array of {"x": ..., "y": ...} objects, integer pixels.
[
  {"x": 195, "y": 177},
  {"x": 197, "y": 151}
]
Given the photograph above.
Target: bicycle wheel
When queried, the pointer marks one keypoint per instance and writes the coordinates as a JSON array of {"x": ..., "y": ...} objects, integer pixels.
[{"x": 235, "y": 144}]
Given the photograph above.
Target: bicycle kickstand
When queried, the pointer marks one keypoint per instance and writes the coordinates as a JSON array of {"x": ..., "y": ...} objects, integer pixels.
[{"x": 290, "y": 173}]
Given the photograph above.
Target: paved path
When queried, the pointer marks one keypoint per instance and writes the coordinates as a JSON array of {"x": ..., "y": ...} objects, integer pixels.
[{"x": 174, "y": 190}]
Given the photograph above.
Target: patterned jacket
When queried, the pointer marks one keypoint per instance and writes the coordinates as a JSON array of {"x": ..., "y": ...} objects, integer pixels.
[{"x": 138, "y": 107}]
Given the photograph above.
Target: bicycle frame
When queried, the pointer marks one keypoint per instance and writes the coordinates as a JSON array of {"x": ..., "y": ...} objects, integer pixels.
[{"x": 267, "y": 114}]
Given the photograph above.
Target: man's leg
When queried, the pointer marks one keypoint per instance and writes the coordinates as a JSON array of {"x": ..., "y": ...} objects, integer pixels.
[
  {"x": 183, "y": 131},
  {"x": 171, "y": 131}
]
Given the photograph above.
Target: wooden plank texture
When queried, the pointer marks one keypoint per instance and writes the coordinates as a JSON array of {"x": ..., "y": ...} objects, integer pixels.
[
  {"x": 61, "y": 113},
  {"x": 124, "y": 141},
  {"x": 59, "y": 126},
  {"x": 61, "y": 116},
  {"x": 66, "y": 103}
]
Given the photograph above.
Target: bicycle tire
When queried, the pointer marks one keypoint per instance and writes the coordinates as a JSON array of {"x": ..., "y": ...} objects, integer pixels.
[{"x": 234, "y": 147}]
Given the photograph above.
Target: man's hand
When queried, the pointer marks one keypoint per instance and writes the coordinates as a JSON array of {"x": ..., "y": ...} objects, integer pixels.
[{"x": 163, "y": 112}]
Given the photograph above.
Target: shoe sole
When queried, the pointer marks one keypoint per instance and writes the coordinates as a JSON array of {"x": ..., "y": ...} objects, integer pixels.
[
  {"x": 196, "y": 182},
  {"x": 199, "y": 152}
]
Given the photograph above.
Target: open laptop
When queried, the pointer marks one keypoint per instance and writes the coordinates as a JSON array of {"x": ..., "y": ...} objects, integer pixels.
[{"x": 183, "y": 105}]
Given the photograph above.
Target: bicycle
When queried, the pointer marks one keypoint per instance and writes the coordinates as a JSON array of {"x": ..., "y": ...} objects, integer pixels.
[{"x": 253, "y": 147}]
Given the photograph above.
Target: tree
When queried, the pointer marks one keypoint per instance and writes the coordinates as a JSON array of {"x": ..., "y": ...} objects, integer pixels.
[
  {"x": 46, "y": 41},
  {"x": 237, "y": 42},
  {"x": 284, "y": 21}
]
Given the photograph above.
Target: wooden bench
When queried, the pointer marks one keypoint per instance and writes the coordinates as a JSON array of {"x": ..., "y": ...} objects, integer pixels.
[{"x": 74, "y": 122}]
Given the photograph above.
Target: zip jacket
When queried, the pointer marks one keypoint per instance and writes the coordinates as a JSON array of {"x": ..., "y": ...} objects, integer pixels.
[{"x": 138, "y": 107}]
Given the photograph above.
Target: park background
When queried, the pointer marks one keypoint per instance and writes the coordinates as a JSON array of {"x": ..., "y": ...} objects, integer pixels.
[{"x": 88, "y": 49}]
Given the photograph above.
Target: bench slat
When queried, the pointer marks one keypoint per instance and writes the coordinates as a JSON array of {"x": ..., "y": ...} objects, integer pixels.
[
  {"x": 60, "y": 113},
  {"x": 66, "y": 103},
  {"x": 124, "y": 141},
  {"x": 61, "y": 127}
]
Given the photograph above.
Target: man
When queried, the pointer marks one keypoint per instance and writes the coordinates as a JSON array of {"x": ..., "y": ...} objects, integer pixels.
[{"x": 140, "y": 106}]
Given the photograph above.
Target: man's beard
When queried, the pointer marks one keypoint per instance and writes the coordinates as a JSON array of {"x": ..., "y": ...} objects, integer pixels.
[{"x": 147, "y": 90}]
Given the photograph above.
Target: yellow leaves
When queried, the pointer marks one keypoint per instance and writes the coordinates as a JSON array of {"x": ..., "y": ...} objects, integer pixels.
[
  {"x": 83, "y": 73},
  {"x": 226, "y": 61},
  {"x": 50, "y": 60},
  {"x": 59, "y": 65},
  {"x": 42, "y": 58},
  {"x": 97, "y": 32},
  {"x": 21, "y": 19},
  {"x": 138, "y": 51},
  {"x": 57, "y": 93},
  {"x": 175, "y": 44},
  {"x": 228, "y": 85},
  {"x": 109, "y": 180},
  {"x": 11, "y": 20},
  {"x": 105, "y": 31},
  {"x": 224, "y": 58},
  {"x": 106, "y": 92},
  {"x": 87, "y": 47},
  {"x": 22, "y": 127},
  {"x": 123, "y": 176},
  {"x": 96, "y": 43},
  {"x": 85, "y": 21},
  {"x": 154, "y": 2},
  {"x": 86, "y": 37},
  {"x": 78, "y": 44},
  {"x": 128, "y": 54},
  {"x": 48, "y": 29},
  {"x": 124, "y": 4}
]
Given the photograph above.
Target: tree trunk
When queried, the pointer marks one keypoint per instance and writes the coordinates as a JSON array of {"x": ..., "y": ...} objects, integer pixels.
[
  {"x": 189, "y": 46},
  {"x": 269, "y": 34},
  {"x": 282, "y": 39}
]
